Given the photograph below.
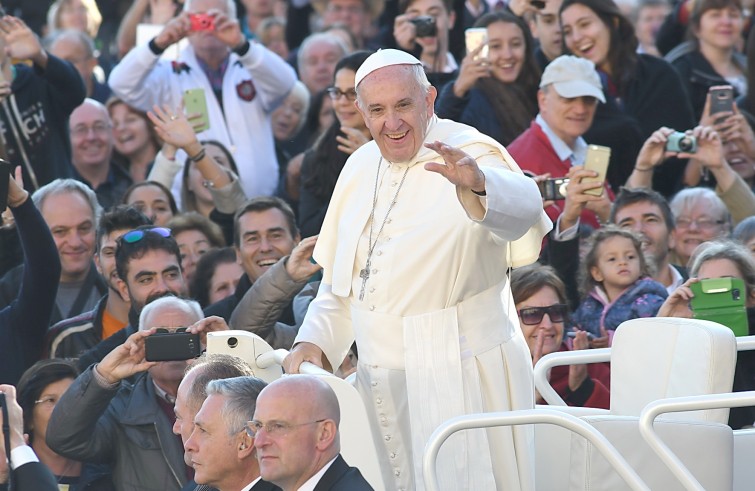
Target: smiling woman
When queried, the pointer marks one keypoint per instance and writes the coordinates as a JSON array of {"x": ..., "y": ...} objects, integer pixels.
[
  {"x": 498, "y": 94},
  {"x": 642, "y": 92},
  {"x": 134, "y": 138}
]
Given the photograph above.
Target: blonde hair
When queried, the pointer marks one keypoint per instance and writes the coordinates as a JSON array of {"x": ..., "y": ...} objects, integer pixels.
[{"x": 94, "y": 18}]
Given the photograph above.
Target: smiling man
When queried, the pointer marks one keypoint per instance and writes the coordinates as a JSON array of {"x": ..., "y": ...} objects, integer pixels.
[
  {"x": 569, "y": 93},
  {"x": 71, "y": 211},
  {"x": 92, "y": 153},
  {"x": 264, "y": 232},
  {"x": 413, "y": 250}
]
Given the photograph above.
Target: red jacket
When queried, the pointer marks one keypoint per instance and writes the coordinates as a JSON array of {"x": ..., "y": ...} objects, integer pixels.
[
  {"x": 596, "y": 396},
  {"x": 535, "y": 155}
]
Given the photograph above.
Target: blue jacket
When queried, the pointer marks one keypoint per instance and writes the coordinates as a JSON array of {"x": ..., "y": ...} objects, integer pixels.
[{"x": 642, "y": 299}]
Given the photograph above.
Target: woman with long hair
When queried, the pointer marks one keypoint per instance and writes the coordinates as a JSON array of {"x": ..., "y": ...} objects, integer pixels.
[
  {"x": 642, "y": 92},
  {"x": 323, "y": 162},
  {"x": 498, "y": 94},
  {"x": 135, "y": 141}
]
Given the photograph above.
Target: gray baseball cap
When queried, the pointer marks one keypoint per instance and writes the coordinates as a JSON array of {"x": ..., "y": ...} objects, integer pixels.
[{"x": 572, "y": 77}]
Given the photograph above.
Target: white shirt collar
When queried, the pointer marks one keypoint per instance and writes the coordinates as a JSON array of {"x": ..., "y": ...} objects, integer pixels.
[
  {"x": 312, "y": 481},
  {"x": 576, "y": 155},
  {"x": 676, "y": 280},
  {"x": 249, "y": 486}
]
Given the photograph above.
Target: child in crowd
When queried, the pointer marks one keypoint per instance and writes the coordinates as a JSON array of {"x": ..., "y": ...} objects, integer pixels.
[{"x": 616, "y": 285}]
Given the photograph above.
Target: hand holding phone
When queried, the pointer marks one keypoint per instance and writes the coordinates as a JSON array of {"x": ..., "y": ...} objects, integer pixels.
[
  {"x": 597, "y": 160},
  {"x": 721, "y": 99},
  {"x": 476, "y": 37},
  {"x": 176, "y": 346},
  {"x": 195, "y": 103}
]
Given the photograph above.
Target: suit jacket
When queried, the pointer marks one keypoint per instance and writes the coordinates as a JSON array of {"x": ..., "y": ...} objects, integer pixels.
[
  {"x": 33, "y": 476},
  {"x": 260, "y": 486},
  {"x": 341, "y": 477}
]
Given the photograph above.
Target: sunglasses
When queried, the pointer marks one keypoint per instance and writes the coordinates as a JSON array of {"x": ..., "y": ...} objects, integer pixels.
[
  {"x": 137, "y": 235},
  {"x": 534, "y": 315},
  {"x": 170, "y": 330}
]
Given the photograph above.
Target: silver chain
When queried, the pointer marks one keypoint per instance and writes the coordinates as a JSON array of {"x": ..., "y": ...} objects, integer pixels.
[{"x": 365, "y": 273}]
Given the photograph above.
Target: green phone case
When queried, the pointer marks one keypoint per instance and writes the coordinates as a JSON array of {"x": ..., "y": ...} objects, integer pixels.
[
  {"x": 195, "y": 103},
  {"x": 721, "y": 300}
]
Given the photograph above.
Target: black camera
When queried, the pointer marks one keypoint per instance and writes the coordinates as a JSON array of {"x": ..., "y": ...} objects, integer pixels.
[
  {"x": 553, "y": 188},
  {"x": 172, "y": 346},
  {"x": 425, "y": 26}
]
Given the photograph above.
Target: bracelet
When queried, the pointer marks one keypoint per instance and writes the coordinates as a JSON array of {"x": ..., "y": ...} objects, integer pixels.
[
  {"x": 243, "y": 49},
  {"x": 479, "y": 193},
  {"x": 643, "y": 170},
  {"x": 199, "y": 156}
]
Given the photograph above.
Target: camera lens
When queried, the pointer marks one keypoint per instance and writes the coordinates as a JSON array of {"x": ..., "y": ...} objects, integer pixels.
[
  {"x": 233, "y": 342},
  {"x": 685, "y": 144}
]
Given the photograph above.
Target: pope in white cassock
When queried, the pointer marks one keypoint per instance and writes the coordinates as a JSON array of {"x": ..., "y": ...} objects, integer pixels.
[{"x": 422, "y": 226}]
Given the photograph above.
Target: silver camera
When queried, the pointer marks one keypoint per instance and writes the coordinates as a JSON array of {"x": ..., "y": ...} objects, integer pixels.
[{"x": 681, "y": 142}]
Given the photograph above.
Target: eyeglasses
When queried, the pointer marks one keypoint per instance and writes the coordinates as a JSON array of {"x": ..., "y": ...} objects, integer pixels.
[
  {"x": 170, "y": 330},
  {"x": 99, "y": 129},
  {"x": 532, "y": 316},
  {"x": 701, "y": 223},
  {"x": 335, "y": 93},
  {"x": 137, "y": 235},
  {"x": 274, "y": 428},
  {"x": 47, "y": 401}
]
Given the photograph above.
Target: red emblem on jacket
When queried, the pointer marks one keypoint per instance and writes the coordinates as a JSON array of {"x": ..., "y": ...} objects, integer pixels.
[{"x": 246, "y": 90}]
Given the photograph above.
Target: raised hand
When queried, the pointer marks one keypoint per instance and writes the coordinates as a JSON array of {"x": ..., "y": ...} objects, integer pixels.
[
  {"x": 227, "y": 29},
  {"x": 175, "y": 30},
  {"x": 20, "y": 41},
  {"x": 472, "y": 69},
  {"x": 172, "y": 126},
  {"x": 212, "y": 323},
  {"x": 351, "y": 140},
  {"x": 299, "y": 267},
  {"x": 127, "y": 359},
  {"x": 458, "y": 167}
]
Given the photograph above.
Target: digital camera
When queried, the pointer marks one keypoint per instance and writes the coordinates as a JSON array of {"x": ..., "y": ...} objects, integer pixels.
[
  {"x": 202, "y": 22},
  {"x": 553, "y": 188},
  {"x": 425, "y": 26},
  {"x": 681, "y": 142}
]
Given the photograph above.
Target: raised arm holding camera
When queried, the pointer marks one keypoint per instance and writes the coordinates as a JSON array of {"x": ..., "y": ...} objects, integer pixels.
[{"x": 99, "y": 417}]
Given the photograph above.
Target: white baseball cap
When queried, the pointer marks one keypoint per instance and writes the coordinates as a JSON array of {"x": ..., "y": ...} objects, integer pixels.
[
  {"x": 572, "y": 77},
  {"x": 383, "y": 58}
]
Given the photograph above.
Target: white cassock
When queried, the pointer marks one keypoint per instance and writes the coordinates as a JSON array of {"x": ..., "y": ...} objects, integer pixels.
[{"x": 437, "y": 331}]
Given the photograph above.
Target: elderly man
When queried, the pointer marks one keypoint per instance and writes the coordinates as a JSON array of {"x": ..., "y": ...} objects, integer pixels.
[
  {"x": 71, "y": 211},
  {"x": 129, "y": 426},
  {"x": 92, "y": 142},
  {"x": 223, "y": 456},
  {"x": 316, "y": 60},
  {"x": 295, "y": 432},
  {"x": 192, "y": 392},
  {"x": 243, "y": 83},
  {"x": 569, "y": 93},
  {"x": 78, "y": 48},
  {"x": 414, "y": 255}
]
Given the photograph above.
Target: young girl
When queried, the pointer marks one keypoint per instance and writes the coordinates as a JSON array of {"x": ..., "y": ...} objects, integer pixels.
[{"x": 616, "y": 285}]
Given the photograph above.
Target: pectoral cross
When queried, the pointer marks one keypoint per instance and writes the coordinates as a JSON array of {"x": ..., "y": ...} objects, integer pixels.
[{"x": 365, "y": 275}]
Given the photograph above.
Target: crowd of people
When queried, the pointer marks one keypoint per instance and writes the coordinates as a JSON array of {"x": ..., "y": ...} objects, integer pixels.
[{"x": 345, "y": 179}]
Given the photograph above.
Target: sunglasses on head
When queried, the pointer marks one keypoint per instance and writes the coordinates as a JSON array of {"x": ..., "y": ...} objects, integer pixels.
[
  {"x": 534, "y": 315},
  {"x": 137, "y": 235}
]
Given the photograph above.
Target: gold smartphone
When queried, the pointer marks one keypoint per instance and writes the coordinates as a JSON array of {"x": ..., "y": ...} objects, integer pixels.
[
  {"x": 195, "y": 103},
  {"x": 474, "y": 37},
  {"x": 597, "y": 160}
]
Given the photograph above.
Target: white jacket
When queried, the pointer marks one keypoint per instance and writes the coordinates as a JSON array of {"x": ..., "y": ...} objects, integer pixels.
[{"x": 142, "y": 80}]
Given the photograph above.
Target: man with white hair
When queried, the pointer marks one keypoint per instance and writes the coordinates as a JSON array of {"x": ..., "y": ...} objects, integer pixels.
[
  {"x": 243, "y": 83},
  {"x": 422, "y": 227},
  {"x": 129, "y": 425},
  {"x": 316, "y": 60}
]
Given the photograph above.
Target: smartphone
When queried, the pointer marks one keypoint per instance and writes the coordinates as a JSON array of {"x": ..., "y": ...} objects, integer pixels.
[
  {"x": 474, "y": 37},
  {"x": 5, "y": 172},
  {"x": 721, "y": 99},
  {"x": 553, "y": 188},
  {"x": 201, "y": 22},
  {"x": 597, "y": 160},
  {"x": 196, "y": 103},
  {"x": 721, "y": 300},
  {"x": 175, "y": 346}
]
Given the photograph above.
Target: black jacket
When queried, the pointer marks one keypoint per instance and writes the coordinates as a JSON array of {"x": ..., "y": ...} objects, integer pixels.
[
  {"x": 24, "y": 321},
  {"x": 33, "y": 476},
  {"x": 34, "y": 119},
  {"x": 341, "y": 477}
]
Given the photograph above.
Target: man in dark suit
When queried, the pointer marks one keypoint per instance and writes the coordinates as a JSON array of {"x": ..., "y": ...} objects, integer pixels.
[
  {"x": 295, "y": 430},
  {"x": 222, "y": 453},
  {"x": 28, "y": 473}
]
